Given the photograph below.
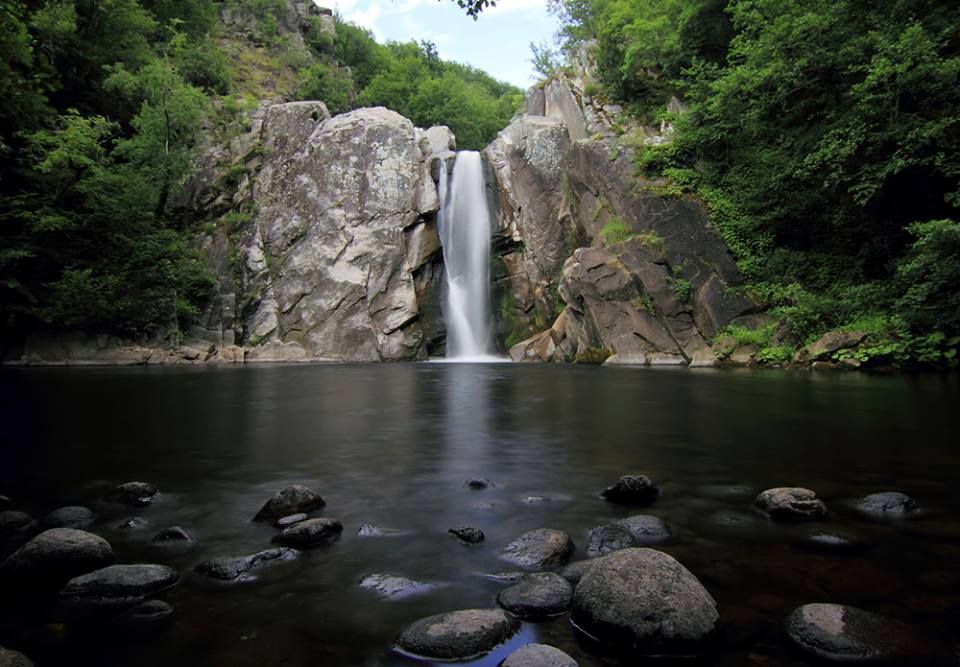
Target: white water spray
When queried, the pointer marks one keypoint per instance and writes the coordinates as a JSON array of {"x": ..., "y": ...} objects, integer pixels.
[{"x": 465, "y": 230}]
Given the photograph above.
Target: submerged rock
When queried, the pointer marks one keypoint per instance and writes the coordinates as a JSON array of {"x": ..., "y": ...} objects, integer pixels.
[
  {"x": 790, "y": 504},
  {"x": 232, "y": 569},
  {"x": 394, "y": 587},
  {"x": 289, "y": 520},
  {"x": 10, "y": 658},
  {"x": 536, "y": 596},
  {"x": 887, "y": 505},
  {"x": 541, "y": 548},
  {"x": 133, "y": 494},
  {"x": 536, "y": 500},
  {"x": 174, "y": 535},
  {"x": 56, "y": 555},
  {"x": 310, "y": 533},
  {"x": 74, "y": 516},
  {"x": 632, "y": 490},
  {"x": 538, "y": 655},
  {"x": 293, "y": 499},
  {"x": 113, "y": 589},
  {"x": 468, "y": 534},
  {"x": 643, "y": 601},
  {"x": 370, "y": 530},
  {"x": 478, "y": 483},
  {"x": 847, "y": 634},
  {"x": 606, "y": 539},
  {"x": 134, "y": 523},
  {"x": 646, "y": 529},
  {"x": 457, "y": 635}
]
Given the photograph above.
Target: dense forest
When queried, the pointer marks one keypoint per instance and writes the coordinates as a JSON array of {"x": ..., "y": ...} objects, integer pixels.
[
  {"x": 824, "y": 137},
  {"x": 104, "y": 105}
]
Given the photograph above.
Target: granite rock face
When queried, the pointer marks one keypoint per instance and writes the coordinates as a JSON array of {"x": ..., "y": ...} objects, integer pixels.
[{"x": 644, "y": 275}]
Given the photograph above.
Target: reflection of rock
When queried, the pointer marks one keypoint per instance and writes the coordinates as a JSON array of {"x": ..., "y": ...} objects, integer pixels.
[
  {"x": 643, "y": 601},
  {"x": 539, "y": 548},
  {"x": 790, "y": 504},
  {"x": 457, "y": 635}
]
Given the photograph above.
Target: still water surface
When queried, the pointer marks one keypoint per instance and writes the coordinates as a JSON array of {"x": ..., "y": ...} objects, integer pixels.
[{"x": 392, "y": 445}]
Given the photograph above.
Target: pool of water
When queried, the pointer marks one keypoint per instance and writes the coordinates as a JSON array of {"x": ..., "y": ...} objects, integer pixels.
[{"x": 392, "y": 445}]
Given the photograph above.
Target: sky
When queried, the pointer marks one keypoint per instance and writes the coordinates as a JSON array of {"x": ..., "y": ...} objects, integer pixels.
[{"x": 498, "y": 42}]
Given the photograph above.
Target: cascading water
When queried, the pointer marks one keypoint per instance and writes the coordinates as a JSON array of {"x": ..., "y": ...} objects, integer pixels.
[{"x": 465, "y": 230}]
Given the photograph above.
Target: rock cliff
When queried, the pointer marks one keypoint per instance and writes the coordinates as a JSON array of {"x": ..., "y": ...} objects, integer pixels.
[{"x": 594, "y": 261}]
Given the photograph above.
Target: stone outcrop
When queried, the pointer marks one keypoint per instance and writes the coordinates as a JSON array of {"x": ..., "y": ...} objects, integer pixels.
[{"x": 644, "y": 276}]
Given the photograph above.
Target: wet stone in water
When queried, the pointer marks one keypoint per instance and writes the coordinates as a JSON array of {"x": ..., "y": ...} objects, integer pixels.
[
  {"x": 73, "y": 516},
  {"x": 541, "y": 548},
  {"x": 467, "y": 534},
  {"x": 457, "y": 635},
  {"x": 646, "y": 529},
  {"x": 537, "y": 596},
  {"x": 290, "y": 519},
  {"x": 133, "y": 494},
  {"x": 607, "y": 539},
  {"x": 310, "y": 533},
  {"x": 294, "y": 499},
  {"x": 790, "y": 504},
  {"x": 632, "y": 490},
  {"x": 478, "y": 483},
  {"x": 237, "y": 568},
  {"x": 538, "y": 655},
  {"x": 847, "y": 634},
  {"x": 887, "y": 505},
  {"x": 174, "y": 535},
  {"x": 394, "y": 587}
]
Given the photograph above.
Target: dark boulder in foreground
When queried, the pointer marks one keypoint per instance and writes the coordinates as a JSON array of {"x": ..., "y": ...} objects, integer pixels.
[
  {"x": 468, "y": 534},
  {"x": 310, "y": 533},
  {"x": 538, "y": 655},
  {"x": 56, "y": 555},
  {"x": 632, "y": 490},
  {"x": 643, "y": 601},
  {"x": 537, "y": 596},
  {"x": 393, "y": 587},
  {"x": 113, "y": 589},
  {"x": 238, "y": 568},
  {"x": 847, "y": 634},
  {"x": 294, "y": 499},
  {"x": 608, "y": 538},
  {"x": 541, "y": 548},
  {"x": 790, "y": 504},
  {"x": 887, "y": 505},
  {"x": 133, "y": 494},
  {"x": 457, "y": 635},
  {"x": 646, "y": 529},
  {"x": 10, "y": 658},
  {"x": 74, "y": 516}
]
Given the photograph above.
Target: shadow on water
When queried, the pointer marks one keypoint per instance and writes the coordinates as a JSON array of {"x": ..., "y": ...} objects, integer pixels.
[{"x": 392, "y": 445}]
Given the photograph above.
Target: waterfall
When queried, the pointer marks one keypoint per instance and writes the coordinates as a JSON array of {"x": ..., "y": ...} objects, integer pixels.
[{"x": 465, "y": 230}]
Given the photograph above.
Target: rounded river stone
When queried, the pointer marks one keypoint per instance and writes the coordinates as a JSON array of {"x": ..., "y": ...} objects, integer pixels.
[
  {"x": 847, "y": 634},
  {"x": 544, "y": 547},
  {"x": 294, "y": 499},
  {"x": 646, "y": 529},
  {"x": 538, "y": 655},
  {"x": 56, "y": 555},
  {"x": 606, "y": 539},
  {"x": 643, "y": 601},
  {"x": 887, "y": 505},
  {"x": 310, "y": 533},
  {"x": 790, "y": 504},
  {"x": 537, "y": 596},
  {"x": 457, "y": 635},
  {"x": 632, "y": 490}
]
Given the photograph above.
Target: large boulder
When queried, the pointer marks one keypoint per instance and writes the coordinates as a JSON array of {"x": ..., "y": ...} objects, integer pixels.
[
  {"x": 328, "y": 262},
  {"x": 290, "y": 500},
  {"x": 113, "y": 589},
  {"x": 10, "y": 658},
  {"x": 790, "y": 504},
  {"x": 54, "y": 556},
  {"x": 537, "y": 596},
  {"x": 539, "y": 549},
  {"x": 457, "y": 635},
  {"x": 237, "y": 568},
  {"x": 839, "y": 633},
  {"x": 643, "y": 601}
]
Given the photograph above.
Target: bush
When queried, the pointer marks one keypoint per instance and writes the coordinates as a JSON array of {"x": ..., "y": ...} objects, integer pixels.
[{"x": 332, "y": 86}]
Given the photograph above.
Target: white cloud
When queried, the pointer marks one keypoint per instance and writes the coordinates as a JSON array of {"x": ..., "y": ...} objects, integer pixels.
[
  {"x": 366, "y": 18},
  {"x": 508, "y": 6}
]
